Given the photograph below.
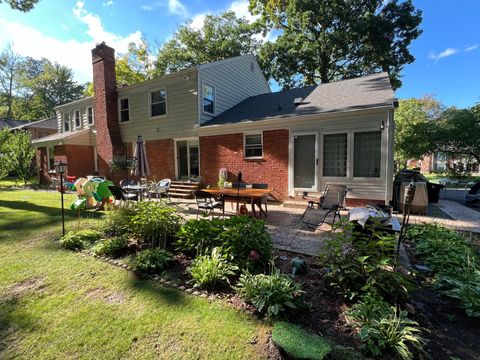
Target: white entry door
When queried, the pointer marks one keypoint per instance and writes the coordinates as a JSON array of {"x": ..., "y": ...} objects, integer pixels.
[{"x": 305, "y": 161}]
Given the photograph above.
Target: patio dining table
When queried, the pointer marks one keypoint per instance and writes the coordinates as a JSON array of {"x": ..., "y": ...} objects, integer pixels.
[
  {"x": 236, "y": 194},
  {"x": 139, "y": 189}
]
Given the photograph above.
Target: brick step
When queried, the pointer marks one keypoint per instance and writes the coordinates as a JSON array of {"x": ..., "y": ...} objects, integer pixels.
[
  {"x": 181, "y": 190},
  {"x": 174, "y": 194},
  {"x": 180, "y": 182},
  {"x": 184, "y": 186}
]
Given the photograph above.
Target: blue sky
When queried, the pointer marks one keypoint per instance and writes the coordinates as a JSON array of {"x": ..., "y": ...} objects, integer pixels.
[{"x": 447, "y": 54}]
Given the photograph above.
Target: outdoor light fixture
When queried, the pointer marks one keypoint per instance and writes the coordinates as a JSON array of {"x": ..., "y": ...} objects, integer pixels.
[
  {"x": 382, "y": 125},
  {"x": 60, "y": 168}
]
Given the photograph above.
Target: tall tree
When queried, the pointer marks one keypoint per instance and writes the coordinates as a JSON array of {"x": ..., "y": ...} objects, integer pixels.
[
  {"x": 21, "y": 5},
  {"x": 415, "y": 120},
  {"x": 221, "y": 37},
  {"x": 10, "y": 67},
  {"x": 5, "y": 135},
  {"x": 326, "y": 40},
  {"x": 137, "y": 64},
  {"x": 20, "y": 154}
]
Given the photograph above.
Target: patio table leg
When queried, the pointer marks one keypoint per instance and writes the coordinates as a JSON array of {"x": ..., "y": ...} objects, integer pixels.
[{"x": 252, "y": 202}]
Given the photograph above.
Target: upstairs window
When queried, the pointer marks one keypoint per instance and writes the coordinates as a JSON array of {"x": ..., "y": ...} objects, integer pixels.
[
  {"x": 158, "y": 103},
  {"x": 208, "y": 99},
  {"x": 335, "y": 155},
  {"x": 90, "y": 115},
  {"x": 367, "y": 154},
  {"x": 66, "y": 122},
  {"x": 78, "y": 119},
  {"x": 253, "y": 146},
  {"x": 124, "y": 110}
]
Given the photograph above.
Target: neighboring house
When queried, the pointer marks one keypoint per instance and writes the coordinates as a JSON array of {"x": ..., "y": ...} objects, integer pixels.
[
  {"x": 10, "y": 123},
  {"x": 223, "y": 114},
  {"x": 441, "y": 162},
  {"x": 40, "y": 128}
]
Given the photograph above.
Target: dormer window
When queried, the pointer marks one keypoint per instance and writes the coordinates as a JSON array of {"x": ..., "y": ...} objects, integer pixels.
[
  {"x": 124, "y": 110},
  {"x": 77, "y": 117},
  {"x": 90, "y": 116},
  {"x": 208, "y": 99},
  {"x": 66, "y": 122}
]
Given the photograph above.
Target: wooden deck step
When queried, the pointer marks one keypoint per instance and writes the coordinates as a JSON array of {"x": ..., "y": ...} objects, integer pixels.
[{"x": 183, "y": 189}]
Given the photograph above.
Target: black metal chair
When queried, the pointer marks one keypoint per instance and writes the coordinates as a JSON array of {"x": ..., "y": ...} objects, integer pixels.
[
  {"x": 121, "y": 195},
  {"x": 208, "y": 203},
  {"x": 331, "y": 200},
  {"x": 261, "y": 201}
]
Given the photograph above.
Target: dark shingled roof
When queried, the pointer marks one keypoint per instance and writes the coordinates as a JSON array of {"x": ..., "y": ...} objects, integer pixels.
[
  {"x": 10, "y": 123},
  {"x": 50, "y": 123},
  {"x": 354, "y": 94}
]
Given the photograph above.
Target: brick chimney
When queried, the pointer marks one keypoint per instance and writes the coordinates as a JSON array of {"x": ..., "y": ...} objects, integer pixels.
[{"x": 109, "y": 140}]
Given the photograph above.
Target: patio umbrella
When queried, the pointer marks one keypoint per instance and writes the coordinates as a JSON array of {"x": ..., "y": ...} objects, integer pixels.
[{"x": 141, "y": 164}]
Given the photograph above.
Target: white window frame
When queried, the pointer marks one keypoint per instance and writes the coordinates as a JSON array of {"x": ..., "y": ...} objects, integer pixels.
[
  {"x": 150, "y": 103},
  {"x": 245, "y": 145},
  {"x": 48, "y": 157},
  {"x": 349, "y": 159},
  {"x": 93, "y": 115},
  {"x": 291, "y": 160},
  {"x": 382, "y": 154},
  {"x": 214, "y": 99},
  {"x": 120, "y": 110},
  {"x": 75, "y": 112},
  {"x": 69, "y": 121}
]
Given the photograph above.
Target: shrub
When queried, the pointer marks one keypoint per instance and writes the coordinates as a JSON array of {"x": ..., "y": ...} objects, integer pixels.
[
  {"x": 237, "y": 237},
  {"x": 298, "y": 343},
  {"x": 384, "y": 329},
  {"x": 78, "y": 240},
  {"x": 209, "y": 270},
  {"x": 466, "y": 291},
  {"x": 152, "y": 260},
  {"x": 117, "y": 220},
  {"x": 155, "y": 223},
  {"x": 271, "y": 294},
  {"x": 357, "y": 263},
  {"x": 113, "y": 247}
]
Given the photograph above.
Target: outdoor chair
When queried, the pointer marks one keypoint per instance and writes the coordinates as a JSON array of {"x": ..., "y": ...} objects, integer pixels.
[
  {"x": 207, "y": 202},
  {"x": 127, "y": 182},
  {"x": 120, "y": 195},
  {"x": 261, "y": 201},
  {"x": 130, "y": 195},
  {"x": 331, "y": 200},
  {"x": 473, "y": 194},
  {"x": 162, "y": 187}
]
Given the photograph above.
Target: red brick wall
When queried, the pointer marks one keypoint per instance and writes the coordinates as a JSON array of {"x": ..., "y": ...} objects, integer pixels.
[
  {"x": 109, "y": 140},
  {"x": 42, "y": 165},
  {"x": 227, "y": 151},
  {"x": 161, "y": 159},
  {"x": 426, "y": 164}
]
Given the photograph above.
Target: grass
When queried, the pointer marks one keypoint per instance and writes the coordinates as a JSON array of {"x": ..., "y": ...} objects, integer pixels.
[
  {"x": 56, "y": 303},
  {"x": 12, "y": 181}
]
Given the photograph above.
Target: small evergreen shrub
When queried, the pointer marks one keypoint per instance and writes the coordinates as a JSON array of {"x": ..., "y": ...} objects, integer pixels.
[
  {"x": 209, "y": 270},
  {"x": 383, "y": 329},
  {"x": 113, "y": 247},
  {"x": 79, "y": 240},
  {"x": 298, "y": 343},
  {"x": 272, "y": 294},
  {"x": 117, "y": 219},
  {"x": 152, "y": 260}
]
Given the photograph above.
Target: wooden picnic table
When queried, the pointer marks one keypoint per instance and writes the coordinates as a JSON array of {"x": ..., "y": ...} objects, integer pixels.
[{"x": 237, "y": 194}]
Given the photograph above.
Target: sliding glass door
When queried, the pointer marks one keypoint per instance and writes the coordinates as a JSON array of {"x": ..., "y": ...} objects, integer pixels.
[{"x": 305, "y": 161}]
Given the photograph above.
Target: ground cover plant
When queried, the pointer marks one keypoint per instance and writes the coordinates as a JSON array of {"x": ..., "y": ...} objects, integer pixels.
[
  {"x": 79, "y": 240},
  {"x": 208, "y": 271},
  {"x": 152, "y": 260},
  {"x": 453, "y": 261},
  {"x": 63, "y": 304},
  {"x": 112, "y": 247}
]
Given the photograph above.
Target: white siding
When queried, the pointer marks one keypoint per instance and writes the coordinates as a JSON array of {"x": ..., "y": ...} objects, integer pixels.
[
  {"x": 81, "y": 105},
  {"x": 234, "y": 81},
  {"x": 181, "y": 118}
]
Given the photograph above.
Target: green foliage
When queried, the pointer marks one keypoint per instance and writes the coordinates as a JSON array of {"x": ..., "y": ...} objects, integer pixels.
[
  {"x": 21, "y": 5},
  {"x": 117, "y": 220},
  {"x": 152, "y": 260},
  {"x": 5, "y": 135},
  {"x": 384, "y": 329},
  {"x": 19, "y": 155},
  {"x": 209, "y": 270},
  {"x": 298, "y": 343},
  {"x": 113, "y": 247},
  {"x": 272, "y": 294},
  {"x": 155, "y": 223},
  {"x": 323, "y": 41},
  {"x": 357, "y": 263},
  {"x": 135, "y": 65},
  {"x": 78, "y": 240},
  {"x": 237, "y": 237},
  {"x": 453, "y": 261},
  {"x": 221, "y": 37},
  {"x": 414, "y": 119}
]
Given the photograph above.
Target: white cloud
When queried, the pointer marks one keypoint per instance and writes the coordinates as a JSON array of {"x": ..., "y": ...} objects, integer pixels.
[
  {"x": 175, "y": 7},
  {"x": 108, "y": 3},
  {"x": 471, "y": 48},
  {"x": 29, "y": 41},
  {"x": 198, "y": 21},
  {"x": 445, "y": 53},
  {"x": 240, "y": 8}
]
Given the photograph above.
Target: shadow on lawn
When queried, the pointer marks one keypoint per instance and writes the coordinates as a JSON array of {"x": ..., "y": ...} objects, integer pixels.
[{"x": 167, "y": 295}]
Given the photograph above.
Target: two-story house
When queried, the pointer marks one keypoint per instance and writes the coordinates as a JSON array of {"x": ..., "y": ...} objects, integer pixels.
[{"x": 224, "y": 115}]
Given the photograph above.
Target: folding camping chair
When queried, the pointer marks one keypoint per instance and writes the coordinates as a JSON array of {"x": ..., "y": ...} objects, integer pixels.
[{"x": 331, "y": 200}]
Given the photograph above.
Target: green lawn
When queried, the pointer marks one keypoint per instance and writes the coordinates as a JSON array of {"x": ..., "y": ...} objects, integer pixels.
[{"x": 60, "y": 304}]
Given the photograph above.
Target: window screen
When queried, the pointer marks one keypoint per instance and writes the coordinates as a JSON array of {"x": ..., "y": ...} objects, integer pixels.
[
  {"x": 367, "y": 154},
  {"x": 90, "y": 115},
  {"x": 158, "y": 103},
  {"x": 253, "y": 145},
  {"x": 335, "y": 155},
  {"x": 124, "y": 110}
]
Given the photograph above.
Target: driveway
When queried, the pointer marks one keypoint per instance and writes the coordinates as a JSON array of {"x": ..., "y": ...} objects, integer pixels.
[{"x": 457, "y": 195}]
